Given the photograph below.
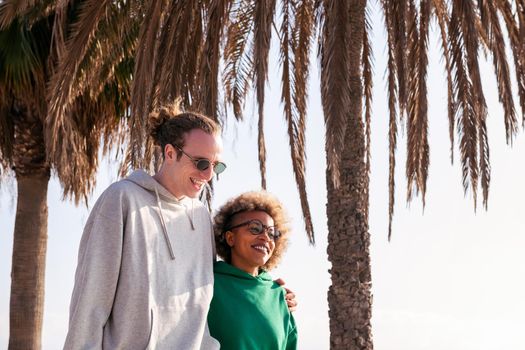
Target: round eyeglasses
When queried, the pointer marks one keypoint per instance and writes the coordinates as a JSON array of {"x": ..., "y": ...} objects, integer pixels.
[
  {"x": 202, "y": 163},
  {"x": 256, "y": 227}
]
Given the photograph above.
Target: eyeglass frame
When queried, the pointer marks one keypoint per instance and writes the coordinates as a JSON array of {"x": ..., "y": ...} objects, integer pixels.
[
  {"x": 197, "y": 160},
  {"x": 273, "y": 236}
]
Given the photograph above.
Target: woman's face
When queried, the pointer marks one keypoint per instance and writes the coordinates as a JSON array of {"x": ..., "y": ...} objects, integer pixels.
[{"x": 250, "y": 251}]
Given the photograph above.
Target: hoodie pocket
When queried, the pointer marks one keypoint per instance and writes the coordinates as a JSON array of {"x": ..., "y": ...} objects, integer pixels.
[{"x": 151, "y": 344}]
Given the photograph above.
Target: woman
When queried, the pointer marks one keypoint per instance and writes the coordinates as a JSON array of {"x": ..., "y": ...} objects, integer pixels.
[{"x": 248, "y": 309}]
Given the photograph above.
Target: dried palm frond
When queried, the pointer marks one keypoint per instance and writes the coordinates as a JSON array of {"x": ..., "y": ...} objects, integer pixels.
[
  {"x": 335, "y": 80},
  {"x": 392, "y": 101},
  {"x": 30, "y": 11},
  {"x": 417, "y": 116},
  {"x": 399, "y": 30},
  {"x": 239, "y": 65},
  {"x": 142, "y": 90},
  {"x": 442, "y": 18},
  {"x": 209, "y": 66},
  {"x": 294, "y": 52},
  {"x": 517, "y": 43},
  {"x": 58, "y": 126},
  {"x": 94, "y": 120},
  {"x": 116, "y": 42},
  {"x": 465, "y": 95},
  {"x": 480, "y": 107},
  {"x": 180, "y": 51},
  {"x": 497, "y": 47},
  {"x": 263, "y": 16}
]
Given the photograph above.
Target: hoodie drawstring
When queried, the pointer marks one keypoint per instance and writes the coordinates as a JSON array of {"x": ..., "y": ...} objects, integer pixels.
[{"x": 164, "y": 229}]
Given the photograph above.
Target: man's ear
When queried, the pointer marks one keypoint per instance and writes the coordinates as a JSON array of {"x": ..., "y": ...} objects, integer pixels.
[
  {"x": 169, "y": 152},
  {"x": 230, "y": 238}
]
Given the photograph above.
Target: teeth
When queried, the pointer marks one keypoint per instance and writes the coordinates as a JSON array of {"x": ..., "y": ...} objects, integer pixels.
[
  {"x": 261, "y": 248},
  {"x": 197, "y": 182}
]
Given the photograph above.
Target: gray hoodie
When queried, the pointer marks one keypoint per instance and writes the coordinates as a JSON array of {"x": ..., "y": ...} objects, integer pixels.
[{"x": 144, "y": 277}]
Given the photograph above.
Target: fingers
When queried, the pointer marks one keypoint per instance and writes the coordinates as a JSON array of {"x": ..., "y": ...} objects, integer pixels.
[
  {"x": 290, "y": 296},
  {"x": 280, "y": 281},
  {"x": 291, "y": 302}
]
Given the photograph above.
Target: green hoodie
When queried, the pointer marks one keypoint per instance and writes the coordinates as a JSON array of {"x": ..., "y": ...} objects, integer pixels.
[{"x": 249, "y": 312}]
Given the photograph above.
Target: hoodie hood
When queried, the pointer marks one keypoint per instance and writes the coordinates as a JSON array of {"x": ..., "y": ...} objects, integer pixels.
[
  {"x": 223, "y": 268},
  {"x": 146, "y": 181}
]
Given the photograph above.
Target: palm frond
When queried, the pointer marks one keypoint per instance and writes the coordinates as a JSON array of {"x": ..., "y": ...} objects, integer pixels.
[
  {"x": 417, "y": 143},
  {"x": 263, "y": 17},
  {"x": 58, "y": 126},
  {"x": 22, "y": 60},
  {"x": 399, "y": 22},
  {"x": 209, "y": 68},
  {"x": 392, "y": 101},
  {"x": 442, "y": 18},
  {"x": 463, "y": 90},
  {"x": 30, "y": 10},
  {"x": 142, "y": 89},
  {"x": 115, "y": 43},
  {"x": 335, "y": 78},
  {"x": 501, "y": 69},
  {"x": 181, "y": 51},
  {"x": 294, "y": 52},
  {"x": 239, "y": 65},
  {"x": 517, "y": 43}
]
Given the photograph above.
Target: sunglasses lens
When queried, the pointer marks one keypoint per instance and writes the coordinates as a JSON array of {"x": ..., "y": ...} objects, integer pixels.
[
  {"x": 219, "y": 167},
  {"x": 203, "y": 164}
]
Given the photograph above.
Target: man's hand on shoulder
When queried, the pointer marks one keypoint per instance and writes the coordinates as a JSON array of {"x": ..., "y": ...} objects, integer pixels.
[{"x": 290, "y": 296}]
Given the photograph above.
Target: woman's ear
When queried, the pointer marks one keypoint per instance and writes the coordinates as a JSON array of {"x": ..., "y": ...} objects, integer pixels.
[{"x": 230, "y": 238}]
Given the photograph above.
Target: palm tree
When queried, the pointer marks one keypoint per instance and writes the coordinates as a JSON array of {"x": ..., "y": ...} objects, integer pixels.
[
  {"x": 30, "y": 41},
  {"x": 179, "y": 53}
]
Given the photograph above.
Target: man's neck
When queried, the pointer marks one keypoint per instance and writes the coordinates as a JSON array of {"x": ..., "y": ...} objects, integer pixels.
[{"x": 162, "y": 179}]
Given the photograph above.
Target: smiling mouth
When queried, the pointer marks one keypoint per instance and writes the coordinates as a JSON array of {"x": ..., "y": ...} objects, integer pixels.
[
  {"x": 261, "y": 248},
  {"x": 196, "y": 182}
]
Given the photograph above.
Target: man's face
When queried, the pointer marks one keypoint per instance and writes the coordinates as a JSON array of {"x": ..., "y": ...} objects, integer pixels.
[{"x": 185, "y": 180}]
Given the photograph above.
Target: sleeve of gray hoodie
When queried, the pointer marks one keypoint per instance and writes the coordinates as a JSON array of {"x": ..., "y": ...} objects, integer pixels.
[{"x": 97, "y": 272}]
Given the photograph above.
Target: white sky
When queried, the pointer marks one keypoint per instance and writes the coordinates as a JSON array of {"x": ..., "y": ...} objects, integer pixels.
[{"x": 449, "y": 279}]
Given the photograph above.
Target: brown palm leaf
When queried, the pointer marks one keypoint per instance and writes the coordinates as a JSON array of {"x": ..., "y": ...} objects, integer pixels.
[
  {"x": 143, "y": 86},
  {"x": 442, "y": 18},
  {"x": 295, "y": 44},
  {"x": 263, "y": 16},
  {"x": 335, "y": 75},
  {"x": 239, "y": 66},
  {"x": 417, "y": 122},
  {"x": 58, "y": 126}
]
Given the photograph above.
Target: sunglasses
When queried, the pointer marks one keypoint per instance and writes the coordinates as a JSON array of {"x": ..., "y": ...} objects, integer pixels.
[
  {"x": 256, "y": 228},
  {"x": 203, "y": 163}
]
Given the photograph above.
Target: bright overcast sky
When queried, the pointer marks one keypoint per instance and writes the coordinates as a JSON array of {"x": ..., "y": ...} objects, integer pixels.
[{"x": 449, "y": 279}]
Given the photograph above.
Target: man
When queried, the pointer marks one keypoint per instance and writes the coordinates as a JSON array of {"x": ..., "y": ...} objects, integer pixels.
[{"x": 144, "y": 278}]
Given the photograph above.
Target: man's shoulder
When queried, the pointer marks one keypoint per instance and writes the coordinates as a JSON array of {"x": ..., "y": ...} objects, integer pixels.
[
  {"x": 123, "y": 186},
  {"x": 119, "y": 191}
]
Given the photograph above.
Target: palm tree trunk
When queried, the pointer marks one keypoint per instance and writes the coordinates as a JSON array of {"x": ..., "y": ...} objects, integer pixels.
[
  {"x": 349, "y": 297},
  {"x": 28, "y": 264},
  {"x": 30, "y": 234}
]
